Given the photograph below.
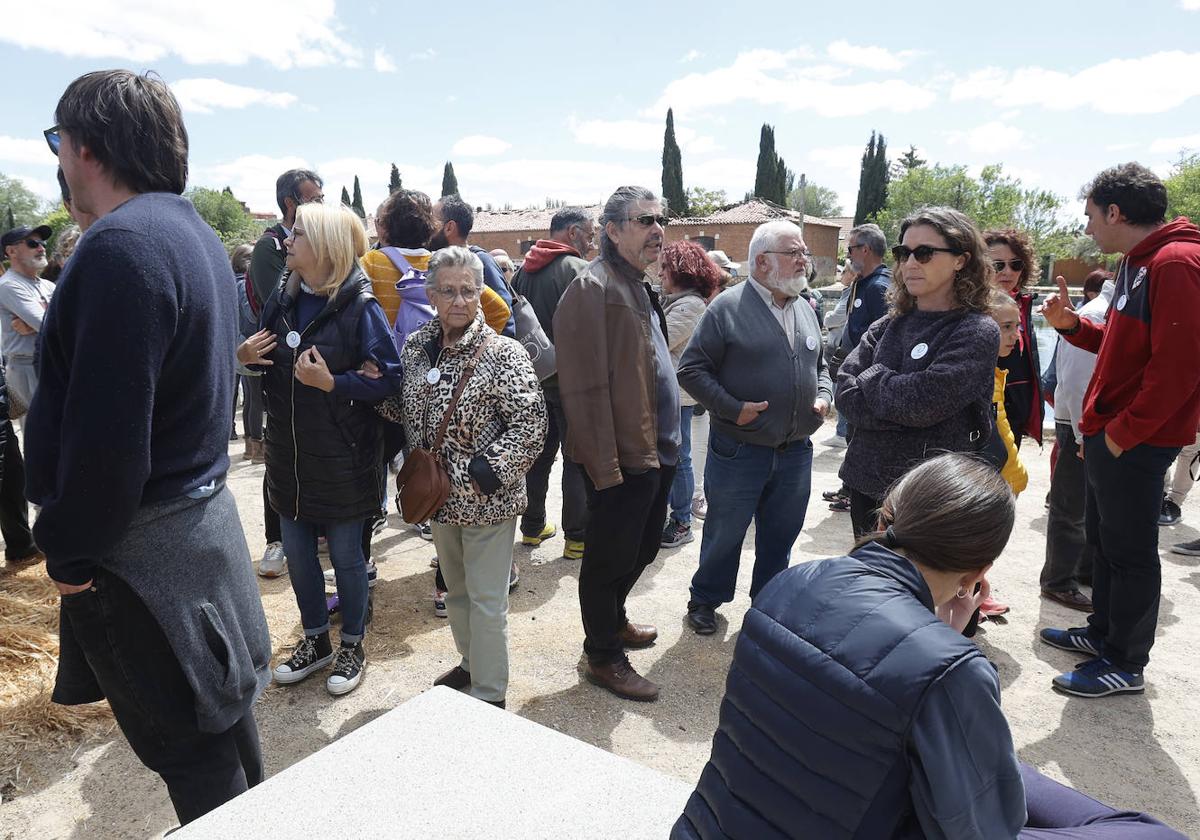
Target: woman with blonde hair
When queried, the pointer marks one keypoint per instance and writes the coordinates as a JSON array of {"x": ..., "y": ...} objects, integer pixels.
[
  {"x": 1011, "y": 255},
  {"x": 324, "y": 443}
]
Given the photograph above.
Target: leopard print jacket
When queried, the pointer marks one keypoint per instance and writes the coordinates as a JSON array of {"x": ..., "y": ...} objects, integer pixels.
[{"x": 501, "y": 415}]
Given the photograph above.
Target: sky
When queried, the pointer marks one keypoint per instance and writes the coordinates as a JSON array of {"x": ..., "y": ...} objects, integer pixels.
[{"x": 567, "y": 101}]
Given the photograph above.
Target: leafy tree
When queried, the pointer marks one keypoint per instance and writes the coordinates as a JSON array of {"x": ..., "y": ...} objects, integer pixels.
[
  {"x": 818, "y": 201},
  {"x": 345, "y": 196},
  {"x": 872, "y": 181},
  {"x": 357, "y": 204},
  {"x": 394, "y": 181},
  {"x": 58, "y": 219},
  {"x": 22, "y": 205},
  {"x": 224, "y": 214},
  {"x": 672, "y": 171},
  {"x": 449, "y": 180},
  {"x": 702, "y": 202},
  {"x": 1183, "y": 188},
  {"x": 907, "y": 162}
]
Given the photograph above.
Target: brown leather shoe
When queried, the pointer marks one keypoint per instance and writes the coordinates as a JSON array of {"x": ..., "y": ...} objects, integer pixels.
[
  {"x": 620, "y": 678},
  {"x": 638, "y": 635},
  {"x": 1072, "y": 598},
  {"x": 455, "y": 678}
]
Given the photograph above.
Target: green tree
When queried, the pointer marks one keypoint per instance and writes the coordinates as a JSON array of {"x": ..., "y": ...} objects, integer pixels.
[
  {"x": 357, "y": 203},
  {"x": 872, "y": 181},
  {"x": 907, "y": 162},
  {"x": 22, "y": 205},
  {"x": 345, "y": 196},
  {"x": 1183, "y": 188},
  {"x": 394, "y": 181},
  {"x": 772, "y": 180},
  {"x": 224, "y": 214},
  {"x": 702, "y": 202},
  {"x": 817, "y": 201},
  {"x": 58, "y": 219},
  {"x": 449, "y": 180},
  {"x": 672, "y": 171}
]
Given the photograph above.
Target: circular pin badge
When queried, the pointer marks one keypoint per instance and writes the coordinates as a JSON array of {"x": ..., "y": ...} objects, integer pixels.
[
  {"x": 858, "y": 303},
  {"x": 811, "y": 343},
  {"x": 292, "y": 339},
  {"x": 434, "y": 376},
  {"x": 919, "y": 351},
  {"x": 1121, "y": 301}
]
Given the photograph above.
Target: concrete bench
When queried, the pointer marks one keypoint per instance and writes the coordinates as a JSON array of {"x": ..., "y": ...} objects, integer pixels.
[{"x": 446, "y": 765}]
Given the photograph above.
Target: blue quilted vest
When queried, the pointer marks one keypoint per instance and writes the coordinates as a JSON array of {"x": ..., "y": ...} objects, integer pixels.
[{"x": 830, "y": 670}]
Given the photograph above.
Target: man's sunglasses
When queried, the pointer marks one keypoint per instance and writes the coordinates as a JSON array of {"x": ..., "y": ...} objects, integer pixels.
[
  {"x": 647, "y": 219},
  {"x": 1015, "y": 265},
  {"x": 922, "y": 253},
  {"x": 53, "y": 140},
  {"x": 35, "y": 243}
]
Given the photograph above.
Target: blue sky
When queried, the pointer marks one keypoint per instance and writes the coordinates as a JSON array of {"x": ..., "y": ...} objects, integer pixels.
[{"x": 567, "y": 100}]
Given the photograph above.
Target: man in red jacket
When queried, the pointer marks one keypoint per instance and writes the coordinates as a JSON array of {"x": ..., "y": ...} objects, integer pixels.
[{"x": 1141, "y": 407}]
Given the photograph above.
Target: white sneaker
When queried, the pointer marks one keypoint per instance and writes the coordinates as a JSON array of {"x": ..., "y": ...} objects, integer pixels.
[
  {"x": 424, "y": 530},
  {"x": 273, "y": 562},
  {"x": 372, "y": 575}
]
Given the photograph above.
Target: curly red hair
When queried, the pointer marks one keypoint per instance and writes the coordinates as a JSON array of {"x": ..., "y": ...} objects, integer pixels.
[{"x": 690, "y": 267}]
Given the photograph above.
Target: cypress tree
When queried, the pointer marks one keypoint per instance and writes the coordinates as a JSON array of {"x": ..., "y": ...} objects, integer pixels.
[
  {"x": 449, "y": 181},
  {"x": 672, "y": 171},
  {"x": 357, "y": 204},
  {"x": 767, "y": 172},
  {"x": 879, "y": 180},
  {"x": 394, "y": 182},
  {"x": 345, "y": 197},
  {"x": 866, "y": 174},
  {"x": 12, "y": 223}
]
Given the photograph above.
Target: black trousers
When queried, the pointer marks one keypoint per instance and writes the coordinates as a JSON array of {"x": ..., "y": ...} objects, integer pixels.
[
  {"x": 1124, "y": 498},
  {"x": 14, "y": 511},
  {"x": 537, "y": 481},
  {"x": 624, "y": 533},
  {"x": 153, "y": 702},
  {"x": 1068, "y": 557},
  {"x": 864, "y": 514}
]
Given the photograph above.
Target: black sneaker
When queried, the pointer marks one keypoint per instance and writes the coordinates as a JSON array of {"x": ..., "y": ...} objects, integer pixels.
[
  {"x": 1191, "y": 549},
  {"x": 378, "y": 523},
  {"x": 313, "y": 653},
  {"x": 701, "y": 618},
  {"x": 1171, "y": 514},
  {"x": 676, "y": 534},
  {"x": 348, "y": 667}
]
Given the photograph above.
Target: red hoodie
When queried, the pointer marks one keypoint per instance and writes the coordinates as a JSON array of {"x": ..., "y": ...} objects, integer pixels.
[
  {"x": 1146, "y": 387},
  {"x": 543, "y": 253}
]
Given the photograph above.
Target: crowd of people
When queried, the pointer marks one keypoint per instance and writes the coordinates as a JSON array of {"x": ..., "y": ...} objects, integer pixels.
[{"x": 423, "y": 355}]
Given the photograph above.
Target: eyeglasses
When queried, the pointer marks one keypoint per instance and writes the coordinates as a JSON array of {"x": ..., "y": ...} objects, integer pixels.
[
  {"x": 795, "y": 253},
  {"x": 52, "y": 138},
  {"x": 922, "y": 253},
  {"x": 450, "y": 295},
  {"x": 1015, "y": 265},
  {"x": 850, "y": 249},
  {"x": 647, "y": 219},
  {"x": 35, "y": 243}
]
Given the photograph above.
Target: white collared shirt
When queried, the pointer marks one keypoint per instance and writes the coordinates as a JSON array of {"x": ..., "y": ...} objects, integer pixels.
[{"x": 785, "y": 315}]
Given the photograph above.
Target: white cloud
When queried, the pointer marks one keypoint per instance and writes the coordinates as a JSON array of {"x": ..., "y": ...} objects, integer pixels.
[
  {"x": 842, "y": 160},
  {"x": 22, "y": 150},
  {"x": 990, "y": 138},
  {"x": 637, "y": 135},
  {"x": 691, "y": 55},
  {"x": 427, "y": 54},
  {"x": 779, "y": 79},
  {"x": 480, "y": 145},
  {"x": 305, "y": 34},
  {"x": 1190, "y": 5},
  {"x": 1174, "y": 145},
  {"x": 870, "y": 58},
  {"x": 45, "y": 188},
  {"x": 202, "y": 96},
  {"x": 1148, "y": 85},
  {"x": 383, "y": 61}
]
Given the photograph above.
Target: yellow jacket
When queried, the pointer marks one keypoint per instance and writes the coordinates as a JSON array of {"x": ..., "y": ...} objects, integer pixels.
[
  {"x": 1014, "y": 471},
  {"x": 384, "y": 277}
]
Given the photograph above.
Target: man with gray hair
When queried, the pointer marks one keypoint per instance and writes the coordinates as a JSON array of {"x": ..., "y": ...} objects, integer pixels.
[
  {"x": 621, "y": 402},
  {"x": 756, "y": 363}
]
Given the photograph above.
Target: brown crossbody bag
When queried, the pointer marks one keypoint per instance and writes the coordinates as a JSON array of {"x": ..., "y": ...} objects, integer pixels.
[{"x": 423, "y": 483}]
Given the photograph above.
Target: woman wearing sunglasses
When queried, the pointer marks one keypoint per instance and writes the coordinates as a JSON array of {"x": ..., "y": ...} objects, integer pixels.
[
  {"x": 920, "y": 381},
  {"x": 1012, "y": 258}
]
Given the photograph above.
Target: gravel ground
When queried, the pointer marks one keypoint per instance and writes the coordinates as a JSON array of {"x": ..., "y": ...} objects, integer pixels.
[{"x": 1138, "y": 752}]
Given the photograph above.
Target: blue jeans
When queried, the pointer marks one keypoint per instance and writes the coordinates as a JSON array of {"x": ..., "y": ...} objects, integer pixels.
[
  {"x": 308, "y": 581},
  {"x": 747, "y": 482},
  {"x": 684, "y": 485}
]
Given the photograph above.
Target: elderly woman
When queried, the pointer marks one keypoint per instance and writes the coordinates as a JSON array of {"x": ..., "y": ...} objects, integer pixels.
[
  {"x": 492, "y": 439},
  {"x": 1011, "y": 255},
  {"x": 324, "y": 444},
  {"x": 920, "y": 380}
]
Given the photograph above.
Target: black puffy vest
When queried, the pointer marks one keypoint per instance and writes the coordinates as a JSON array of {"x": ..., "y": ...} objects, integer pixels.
[{"x": 324, "y": 452}]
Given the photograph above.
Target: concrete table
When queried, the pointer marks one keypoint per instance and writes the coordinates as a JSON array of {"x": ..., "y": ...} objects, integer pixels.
[{"x": 445, "y": 765}]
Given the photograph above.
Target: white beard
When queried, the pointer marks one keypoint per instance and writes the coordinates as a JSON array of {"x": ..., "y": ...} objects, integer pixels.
[
  {"x": 39, "y": 264},
  {"x": 788, "y": 286}
]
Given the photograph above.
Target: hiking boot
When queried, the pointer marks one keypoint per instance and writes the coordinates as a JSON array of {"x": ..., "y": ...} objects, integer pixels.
[
  {"x": 1099, "y": 678},
  {"x": 312, "y": 654},
  {"x": 620, "y": 678},
  {"x": 1075, "y": 639},
  {"x": 348, "y": 667},
  {"x": 676, "y": 534},
  {"x": 702, "y": 618},
  {"x": 546, "y": 533},
  {"x": 1170, "y": 514},
  {"x": 638, "y": 635},
  {"x": 273, "y": 562},
  {"x": 1191, "y": 549},
  {"x": 573, "y": 549}
]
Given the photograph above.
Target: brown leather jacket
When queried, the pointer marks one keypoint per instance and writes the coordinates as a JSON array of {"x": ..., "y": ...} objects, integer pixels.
[{"x": 606, "y": 370}]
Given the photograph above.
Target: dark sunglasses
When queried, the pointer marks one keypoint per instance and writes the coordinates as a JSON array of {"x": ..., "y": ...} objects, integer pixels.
[
  {"x": 1015, "y": 265},
  {"x": 647, "y": 219},
  {"x": 35, "y": 243},
  {"x": 52, "y": 138},
  {"x": 922, "y": 253}
]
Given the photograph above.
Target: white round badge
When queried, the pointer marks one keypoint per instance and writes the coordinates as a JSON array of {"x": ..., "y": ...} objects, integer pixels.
[
  {"x": 811, "y": 343},
  {"x": 1121, "y": 301},
  {"x": 292, "y": 339},
  {"x": 434, "y": 376},
  {"x": 858, "y": 303},
  {"x": 919, "y": 351}
]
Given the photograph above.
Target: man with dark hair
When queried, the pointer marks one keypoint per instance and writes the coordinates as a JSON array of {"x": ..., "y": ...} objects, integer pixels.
[
  {"x": 549, "y": 268},
  {"x": 454, "y": 220},
  {"x": 1141, "y": 406},
  {"x": 292, "y": 188},
  {"x": 127, "y": 447},
  {"x": 621, "y": 401}
]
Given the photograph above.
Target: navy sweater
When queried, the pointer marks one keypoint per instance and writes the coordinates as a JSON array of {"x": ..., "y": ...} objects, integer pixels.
[{"x": 136, "y": 380}]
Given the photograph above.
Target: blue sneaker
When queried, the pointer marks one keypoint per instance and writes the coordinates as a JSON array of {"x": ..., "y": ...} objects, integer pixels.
[
  {"x": 1099, "y": 678},
  {"x": 1075, "y": 640}
]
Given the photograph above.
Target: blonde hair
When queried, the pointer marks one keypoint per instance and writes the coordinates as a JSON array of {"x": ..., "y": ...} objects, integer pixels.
[
  {"x": 998, "y": 300},
  {"x": 338, "y": 240}
]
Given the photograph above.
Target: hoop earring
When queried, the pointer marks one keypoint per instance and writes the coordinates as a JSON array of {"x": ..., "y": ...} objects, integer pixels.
[{"x": 962, "y": 592}]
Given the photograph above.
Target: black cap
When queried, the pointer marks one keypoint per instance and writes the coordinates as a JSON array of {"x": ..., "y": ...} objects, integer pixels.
[{"x": 43, "y": 232}]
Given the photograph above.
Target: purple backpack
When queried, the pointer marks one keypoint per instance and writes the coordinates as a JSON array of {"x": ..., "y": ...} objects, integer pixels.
[{"x": 415, "y": 310}]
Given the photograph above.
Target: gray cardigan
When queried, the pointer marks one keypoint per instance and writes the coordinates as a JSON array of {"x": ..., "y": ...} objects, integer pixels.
[{"x": 740, "y": 354}]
